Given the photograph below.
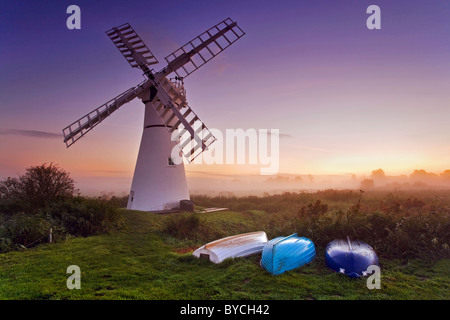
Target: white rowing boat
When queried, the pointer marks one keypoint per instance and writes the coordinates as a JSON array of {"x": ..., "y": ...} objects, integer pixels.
[{"x": 241, "y": 245}]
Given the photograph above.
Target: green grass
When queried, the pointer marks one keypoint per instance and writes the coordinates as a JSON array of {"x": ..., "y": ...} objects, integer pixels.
[{"x": 142, "y": 262}]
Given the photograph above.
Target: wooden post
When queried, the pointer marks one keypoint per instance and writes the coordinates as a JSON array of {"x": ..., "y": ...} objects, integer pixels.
[{"x": 50, "y": 235}]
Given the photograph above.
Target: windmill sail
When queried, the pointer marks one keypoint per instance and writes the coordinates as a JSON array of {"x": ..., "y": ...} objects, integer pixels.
[
  {"x": 79, "y": 128},
  {"x": 185, "y": 126},
  {"x": 131, "y": 46},
  {"x": 203, "y": 48}
]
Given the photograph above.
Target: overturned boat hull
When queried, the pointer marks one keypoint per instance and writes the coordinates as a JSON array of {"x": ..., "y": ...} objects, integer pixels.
[
  {"x": 236, "y": 246},
  {"x": 282, "y": 254},
  {"x": 352, "y": 258}
]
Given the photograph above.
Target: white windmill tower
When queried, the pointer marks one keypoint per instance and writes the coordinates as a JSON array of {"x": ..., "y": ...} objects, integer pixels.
[{"x": 159, "y": 182}]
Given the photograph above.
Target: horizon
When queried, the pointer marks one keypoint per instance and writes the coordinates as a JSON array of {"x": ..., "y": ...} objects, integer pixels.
[
  {"x": 254, "y": 184},
  {"x": 347, "y": 100}
]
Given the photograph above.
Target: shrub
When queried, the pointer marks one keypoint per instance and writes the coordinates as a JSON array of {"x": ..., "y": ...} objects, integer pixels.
[
  {"x": 43, "y": 198},
  {"x": 76, "y": 216},
  {"x": 182, "y": 226},
  {"x": 313, "y": 209},
  {"x": 119, "y": 202},
  {"x": 189, "y": 226},
  {"x": 85, "y": 216},
  {"x": 24, "y": 230}
]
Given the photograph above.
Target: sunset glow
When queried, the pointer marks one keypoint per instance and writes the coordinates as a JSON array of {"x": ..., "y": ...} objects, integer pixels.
[{"x": 347, "y": 100}]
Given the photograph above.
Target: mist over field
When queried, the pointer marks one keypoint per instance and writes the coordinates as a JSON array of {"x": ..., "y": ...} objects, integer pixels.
[
  {"x": 212, "y": 184},
  {"x": 243, "y": 185}
]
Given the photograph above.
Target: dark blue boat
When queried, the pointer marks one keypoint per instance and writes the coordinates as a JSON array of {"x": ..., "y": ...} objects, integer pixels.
[
  {"x": 286, "y": 253},
  {"x": 350, "y": 257}
]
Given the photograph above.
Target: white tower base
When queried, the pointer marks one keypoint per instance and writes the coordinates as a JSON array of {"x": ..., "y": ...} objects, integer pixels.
[{"x": 157, "y": 183}]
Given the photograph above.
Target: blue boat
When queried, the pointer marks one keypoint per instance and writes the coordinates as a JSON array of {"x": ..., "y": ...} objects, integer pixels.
[
  {"x": 350, "y": 257},
  {"x": 286, "y": 253}
]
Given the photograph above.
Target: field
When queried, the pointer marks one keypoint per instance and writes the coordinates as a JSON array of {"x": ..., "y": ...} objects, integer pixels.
[{"x": 151, "y": 257}]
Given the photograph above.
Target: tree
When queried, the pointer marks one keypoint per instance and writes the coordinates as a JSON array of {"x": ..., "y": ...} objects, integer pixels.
[
  {"x": 379, "y": 173},
  {"x": 38, "y": 187},
  {"x": 10, "y": 196},
  {"x": 446, "y": 175},
  {"x": 9, "y": 188},
  {"x": 424, "y": 177},
  {"x": 43, "y": 184}
]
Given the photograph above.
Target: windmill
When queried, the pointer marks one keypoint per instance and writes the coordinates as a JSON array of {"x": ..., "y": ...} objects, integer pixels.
[{"x": 159, "y": 182}]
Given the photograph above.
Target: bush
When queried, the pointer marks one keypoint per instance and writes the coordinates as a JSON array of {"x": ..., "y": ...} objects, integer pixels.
[
  {"x": 183, "y": 226},
  {"x": 76, "y": 216},
  {"x": 189, "y": 226},
  {"x": 313, "y": 209},
  {"x": 118, "y": 202},
  {"x": 84, "y": 216},
  {"x": 22, "y": 230},
  {"x": 28, "y": 230},
  {"x": 43, "y": 198}
]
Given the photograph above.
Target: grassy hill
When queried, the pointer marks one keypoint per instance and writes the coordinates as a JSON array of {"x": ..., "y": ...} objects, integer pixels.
[{"x": 143, "y": 262}]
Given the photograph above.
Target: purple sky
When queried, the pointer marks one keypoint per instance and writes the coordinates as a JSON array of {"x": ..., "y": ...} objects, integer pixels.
[{"x": 346, "y": 99}]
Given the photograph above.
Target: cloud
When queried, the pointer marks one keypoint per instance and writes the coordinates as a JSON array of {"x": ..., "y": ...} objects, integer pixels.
[
  {"x": 31, "y": 133},
  {"x": 285, "y": 135},
  {"x": 280, "y": 135}
]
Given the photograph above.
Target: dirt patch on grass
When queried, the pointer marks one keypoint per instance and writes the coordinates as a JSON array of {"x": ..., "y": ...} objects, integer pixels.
[{"x": 185, "y": 250}]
